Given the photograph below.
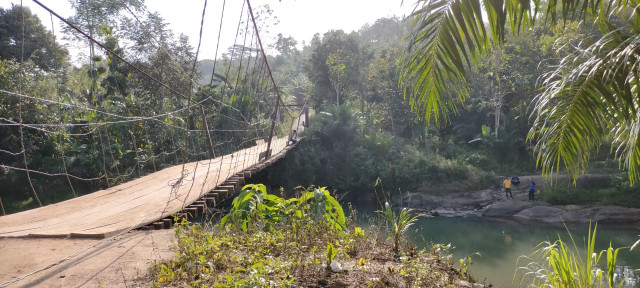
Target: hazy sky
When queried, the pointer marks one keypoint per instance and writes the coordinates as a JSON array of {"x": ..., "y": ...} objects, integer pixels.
[{"x": 298, "y": 18}]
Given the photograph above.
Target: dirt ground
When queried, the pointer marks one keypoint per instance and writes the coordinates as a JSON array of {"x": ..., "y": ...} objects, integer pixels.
[{"x": 121, "y": 262}]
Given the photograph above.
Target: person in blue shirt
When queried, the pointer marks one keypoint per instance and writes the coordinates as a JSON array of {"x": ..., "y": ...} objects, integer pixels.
[{"x": 532, "y": 189}]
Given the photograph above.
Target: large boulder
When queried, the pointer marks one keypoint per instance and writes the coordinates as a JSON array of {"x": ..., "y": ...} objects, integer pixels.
[
  {"x": 541, "y": 213},
  {"x": 611, "y": 214},
  {"x": 448, "y": 212},
  {"x": 457, "y": 201},
  {"x": 422, "y": 201},
  {"x": 507, "y": 208},
  {"x": 602, "y": 214},
  {"x": 470, "y": 200}
]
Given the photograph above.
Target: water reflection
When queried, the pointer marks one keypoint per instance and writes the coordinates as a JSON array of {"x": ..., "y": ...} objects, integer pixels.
[{"x": 501, "y": 243}]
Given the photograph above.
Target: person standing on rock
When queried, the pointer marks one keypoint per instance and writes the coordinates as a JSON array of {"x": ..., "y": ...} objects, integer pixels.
[
  {"x": 507, "y": 187},
  {"x": 532, "y": 189}
]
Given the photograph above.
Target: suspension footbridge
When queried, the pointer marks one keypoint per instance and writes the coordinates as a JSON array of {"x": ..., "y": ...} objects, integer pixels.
[
  {"x": 239, "y": 114},
  {"x": 147, "y": 200}
]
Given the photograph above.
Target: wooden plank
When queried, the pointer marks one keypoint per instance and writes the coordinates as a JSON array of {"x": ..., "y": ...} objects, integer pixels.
[
  {"x": 191, "y": 212},
  {"x": 95, "y": 235},
  {"x": 235, "y": 183},
  {"x": 229, "y": 188},
  {"x": 199, "y": 208},
  {"x": 210, "y": 201},
  {"x": 239, "y": 179},
  {"x": 220, "y": 194},
  {"x": 36, "y": 235},
  {"x": 213, "y": 195}
]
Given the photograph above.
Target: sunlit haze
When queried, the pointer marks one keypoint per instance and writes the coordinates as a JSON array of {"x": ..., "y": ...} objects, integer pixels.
[{"x": 297, "y": 18}]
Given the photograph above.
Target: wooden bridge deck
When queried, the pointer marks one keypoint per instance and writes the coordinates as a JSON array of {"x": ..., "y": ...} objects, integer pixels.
[{"x": 136, "y": 203}]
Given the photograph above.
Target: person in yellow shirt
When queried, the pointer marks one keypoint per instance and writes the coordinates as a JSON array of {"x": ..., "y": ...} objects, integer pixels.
[{"x": 507, "y": 187}]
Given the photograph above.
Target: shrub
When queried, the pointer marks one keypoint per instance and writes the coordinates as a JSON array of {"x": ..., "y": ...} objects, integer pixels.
[
  {"x": 254, "y": 206},
  {"x": 289, "y": 252}
]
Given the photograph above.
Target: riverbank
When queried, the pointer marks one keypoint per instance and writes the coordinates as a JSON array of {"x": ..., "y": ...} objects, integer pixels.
[
  {"x": 299, "y": 256},
  {"x": 120, "y": 262},
  {"x": 492, "y": 203},
  {"x": 268, "y": 241}
]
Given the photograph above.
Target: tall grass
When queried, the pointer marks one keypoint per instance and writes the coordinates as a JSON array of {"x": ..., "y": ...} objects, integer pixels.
[{"x": 557, "y": 264}]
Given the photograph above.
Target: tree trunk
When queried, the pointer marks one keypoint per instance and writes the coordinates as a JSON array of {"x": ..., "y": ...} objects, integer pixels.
[
  {"x": 337, "y": 91},
  {"x": 496, "y": 118},
  {"x": 393, "y": 126}
]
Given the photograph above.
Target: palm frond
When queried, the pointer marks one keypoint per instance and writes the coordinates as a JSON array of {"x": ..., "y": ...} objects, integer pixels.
[
  {"x": 447, "y": 37},
  {"x": 592, "y": 94}
]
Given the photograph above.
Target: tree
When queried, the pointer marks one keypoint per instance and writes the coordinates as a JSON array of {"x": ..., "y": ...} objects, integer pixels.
[
  {"x": 386, "y": 104},
  {"x": 39, "y": 44},
  {"x": 91, "y": 17},
  {"x": 336, "y": 65},
  {"x": 591, "y": 95},
  {"x": 318, "y": 71},
  {"x": 286, "y": 46},
  {"x": 383, "y": 32}
]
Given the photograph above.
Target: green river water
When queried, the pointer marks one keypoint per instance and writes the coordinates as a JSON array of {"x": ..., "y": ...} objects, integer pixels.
[{"x": 500, "y": 243}]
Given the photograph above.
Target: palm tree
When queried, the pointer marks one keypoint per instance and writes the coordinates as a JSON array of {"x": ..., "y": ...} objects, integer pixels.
[{"x": 591, "y": 95}]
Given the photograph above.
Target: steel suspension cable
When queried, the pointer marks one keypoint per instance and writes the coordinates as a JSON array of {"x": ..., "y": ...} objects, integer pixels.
[
  {"x": 264, "y": 55},
  {"x": 24, "y": 152}
]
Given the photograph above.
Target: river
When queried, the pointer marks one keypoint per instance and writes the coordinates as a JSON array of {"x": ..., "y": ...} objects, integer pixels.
[{"x": 500, "y": 243}]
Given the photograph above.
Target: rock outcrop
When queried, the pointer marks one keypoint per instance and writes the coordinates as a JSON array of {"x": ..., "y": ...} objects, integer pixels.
[
  {"x": 507, "y": 208},
  {"x": 491, "y": 203}
]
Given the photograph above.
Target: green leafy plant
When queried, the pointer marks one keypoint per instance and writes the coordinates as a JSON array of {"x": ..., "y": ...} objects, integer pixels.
[
  {"x": 289, "y": 255},
  {"x": 612, "y": 257},
  {"x": 322, "y": 206},
  {"x": 331, "y": 254},
  {"x": 439, "y": 248},
  {"x": 465, "y": 265},
  {"x": 254, "y": 206},
  {"x": 558, "y": 265},
  {"x": 399, "y": 223}
]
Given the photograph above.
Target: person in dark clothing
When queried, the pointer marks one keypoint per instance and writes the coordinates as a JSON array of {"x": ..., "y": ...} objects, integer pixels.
[
  {"x": 532, "y": 189},
  {"x": 292, "y": 137}
]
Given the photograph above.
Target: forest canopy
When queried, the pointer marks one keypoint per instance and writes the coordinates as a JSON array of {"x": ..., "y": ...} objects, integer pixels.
[{"x": 498, "y": 97}]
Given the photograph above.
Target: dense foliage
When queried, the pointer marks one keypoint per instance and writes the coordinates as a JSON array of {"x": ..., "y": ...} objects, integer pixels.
[
  {"x": 254, "y": 206},
  {"x": 85, "y": 124},
  {"x": 85, "y": 111},
  {"x": 303, "y": 251},
  {"x": 589, "y": 93}
]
